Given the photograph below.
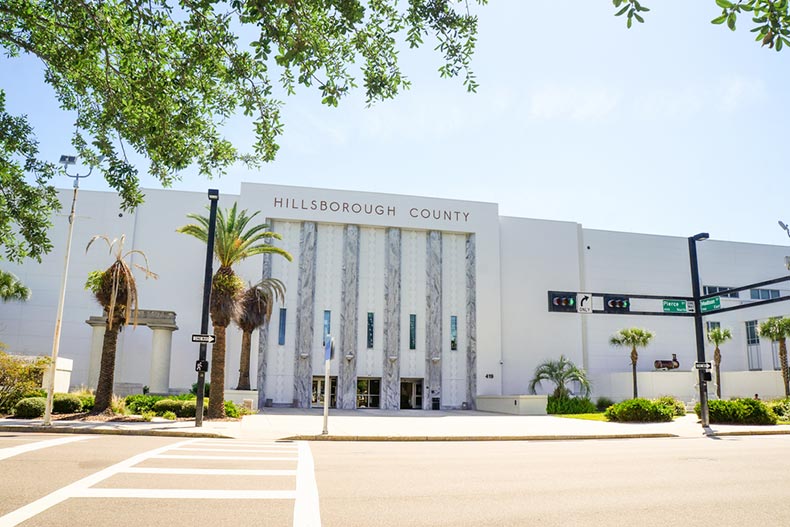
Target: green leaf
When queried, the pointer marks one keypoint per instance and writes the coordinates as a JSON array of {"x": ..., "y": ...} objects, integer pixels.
[
  {"x": 623, "y": 10},
  {"x": 731, "y": 21},
  {"x": 726, "y": 4},
  {"x": 720, "y": 19},
  {"x": 639, "y": 18}
]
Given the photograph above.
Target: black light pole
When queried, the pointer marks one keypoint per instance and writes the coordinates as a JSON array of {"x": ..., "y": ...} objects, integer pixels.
[
  {"x": 202, "y": 364},
  {"x": 703, "y": 388}
]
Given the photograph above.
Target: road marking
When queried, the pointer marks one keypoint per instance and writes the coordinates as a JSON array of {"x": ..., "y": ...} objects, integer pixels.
[
  {"x": 254, "y": 450},
  {"x": 50, "y": 500},
  {"x": 210, "y": 471},
  {"x": 225, "y": 443},
  {"x": 235, "y": 458},
  {"x": 5, "y": 453},
  {"x": 307, "y": 512},
  {"x": 201, "y": 494}
]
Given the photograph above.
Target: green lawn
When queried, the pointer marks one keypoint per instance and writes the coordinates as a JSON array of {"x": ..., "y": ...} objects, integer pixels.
[{"x": 588, "y": 417}]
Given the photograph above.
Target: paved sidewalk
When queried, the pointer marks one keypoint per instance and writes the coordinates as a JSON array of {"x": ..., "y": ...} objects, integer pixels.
[{"x": 412, "y": 425}]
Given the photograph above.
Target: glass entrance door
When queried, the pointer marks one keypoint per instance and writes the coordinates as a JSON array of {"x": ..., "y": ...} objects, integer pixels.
[
  {"x": 411, "y": 394},
  {"x": 319, "y": 388}
]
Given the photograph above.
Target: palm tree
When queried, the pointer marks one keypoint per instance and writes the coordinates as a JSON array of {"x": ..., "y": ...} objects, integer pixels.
[
  {"x": 633, "y": 338},
  {"x": 560, "y": 372},
  {"x": 778, "y": 329},
  {"x": 11, "y": 288},
  {"x": 717, "y": 336},
  {"x": 116, "y": 291},
  {"x": 234, "y": 242},
  {"x": 255, "y": 309}
]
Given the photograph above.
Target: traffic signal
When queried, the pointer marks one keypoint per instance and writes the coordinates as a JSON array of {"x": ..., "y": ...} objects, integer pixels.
[
  {"x": 562, "y": 301},
  {"x": 616, "y": 304}
]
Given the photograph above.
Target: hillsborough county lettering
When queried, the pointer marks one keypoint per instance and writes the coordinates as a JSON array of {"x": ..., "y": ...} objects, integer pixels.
[{"x": 368, "y": 209}]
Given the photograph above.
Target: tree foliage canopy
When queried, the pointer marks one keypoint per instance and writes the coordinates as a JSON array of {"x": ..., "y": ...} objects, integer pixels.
[
  {"x": 771, "y": 18},
  {"x": 161, "y": 77}
]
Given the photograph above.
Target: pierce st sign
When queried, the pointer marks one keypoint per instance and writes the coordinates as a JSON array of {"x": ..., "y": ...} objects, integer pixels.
[{"x": 677, "y": 306}]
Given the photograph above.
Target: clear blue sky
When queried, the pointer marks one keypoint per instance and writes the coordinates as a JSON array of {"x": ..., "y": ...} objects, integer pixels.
[{"x": 673, "y": 127}]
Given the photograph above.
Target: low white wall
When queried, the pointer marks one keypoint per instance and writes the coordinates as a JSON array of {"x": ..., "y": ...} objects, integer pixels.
[
  {"x": 513, "y": 404},
  {"x": 683, "y": 385},
  {"x": 238, "y": 397},
  {"x": 62, "y": 375}
]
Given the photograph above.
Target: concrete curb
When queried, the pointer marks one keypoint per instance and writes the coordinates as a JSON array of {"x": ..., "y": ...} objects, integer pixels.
[
  {"x": 110, "y": 431},
  {"x": 473, "y": 438},
  {"x": 750, "y": 433}
]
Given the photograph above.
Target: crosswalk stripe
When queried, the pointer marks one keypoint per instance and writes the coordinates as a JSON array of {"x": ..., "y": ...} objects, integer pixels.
[
  {"x": 200, "y": 494},
  {"x": 255, "y": 450},
  {"x": 235, "y": 458},
  {"x": 209, "y": 471},
  {"x": 7, "y": 452}
]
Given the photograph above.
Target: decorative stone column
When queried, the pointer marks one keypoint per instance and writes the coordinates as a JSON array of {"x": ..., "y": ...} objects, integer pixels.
[
  {"x": 305, "y": 316},
  {"x": 390, "y": 383},
  {"x": 98, "y": 326},
  {"x": 433, "y": 319},
  {"x": 471, "y": 322},
  {"x": 161, "y": 343},
  {"x": 263, "y": 339},
  {"x": 346, "y": 352}
]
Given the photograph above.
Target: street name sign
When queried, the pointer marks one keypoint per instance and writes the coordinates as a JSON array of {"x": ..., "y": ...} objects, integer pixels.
[
  {"x": 678, "y": 306},
  {"x": 202, "y": 337},
  {"x": 710, "y": 304}
]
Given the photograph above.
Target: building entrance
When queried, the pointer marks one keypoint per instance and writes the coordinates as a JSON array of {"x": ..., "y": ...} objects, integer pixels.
[
  {"x": 319, "y": 388},
  {"x": 411, "y": 394}
]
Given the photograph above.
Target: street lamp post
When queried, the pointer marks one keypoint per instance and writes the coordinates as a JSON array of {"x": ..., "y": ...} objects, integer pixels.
[
  {"x": 784, "y": 226},
  {"x": 65, "y": 161},
  {"x": 703, "y": 388}
]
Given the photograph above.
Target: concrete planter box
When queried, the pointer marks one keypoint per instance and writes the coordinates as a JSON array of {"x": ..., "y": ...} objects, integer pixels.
[{"x": 513, "y": 404}]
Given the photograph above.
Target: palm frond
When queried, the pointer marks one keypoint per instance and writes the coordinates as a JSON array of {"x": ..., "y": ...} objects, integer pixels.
[{"x": 11, "y": 288}]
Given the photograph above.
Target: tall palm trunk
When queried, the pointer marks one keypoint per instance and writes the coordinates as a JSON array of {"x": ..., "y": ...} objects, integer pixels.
[
  {"x": 783, "y": 362},
  {"x": 634, "y": 358},
  {"x": 244, "y": 361},
  {"x": 107, "y": 369},
  {"x": 216, "y": 401},
  {"x": 717, "y": 363}
]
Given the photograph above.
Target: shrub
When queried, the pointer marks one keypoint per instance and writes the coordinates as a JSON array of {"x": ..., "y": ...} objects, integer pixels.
[
  {"x": 30, "y": 407},
  {"x": 740, "y": 412},
  {"x": 602, "y": 403},
  {"x": 183, "y": 396},
  {"x": 66, "y": 403},
  {"x": 167, "y": 405},
  {"x": 678, "y": 407},
  {"x": 569, "y": 405},
  {"x": 170, "y": 416},
  {"x": 231, "y": 410},
  {"x": 87, "y": 401},
  {"x": 147, "y": 416},
  {"x": 18, "y": 377},
  {"x": 206, "y": 387},
  {"x": 189, "y": 408},
  {"x": 639, "y": 411},
  {"x": 781, "y": 408},
  {"x": 118, "y": 405},
  {"x": 139, "y": 403}
]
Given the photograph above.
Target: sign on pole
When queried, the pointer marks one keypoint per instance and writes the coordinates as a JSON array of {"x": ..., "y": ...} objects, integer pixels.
[
  {"x": 202, "y": 337},
  {"x": 677, "y": 306},
  {"x": 703, "y": 365},
  {"x": 710, "y": 304},
  {"x": 584, "y": 303}
]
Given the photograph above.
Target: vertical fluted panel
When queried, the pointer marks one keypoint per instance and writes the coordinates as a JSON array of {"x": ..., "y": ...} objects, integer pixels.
[
  {"x": 263, "y": 340},
  {"x": 349, "y": 316},
  {"x": 305, "y": 316},
  {"x": 390, "y": 382},
  {"x": 433, "y": 318},
  {"x": 471, "y": 322}
]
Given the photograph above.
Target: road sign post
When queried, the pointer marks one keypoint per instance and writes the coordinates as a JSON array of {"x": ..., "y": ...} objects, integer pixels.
[
  {"x": 329, "y": 351},
  {"x": 213, "y": 197}
]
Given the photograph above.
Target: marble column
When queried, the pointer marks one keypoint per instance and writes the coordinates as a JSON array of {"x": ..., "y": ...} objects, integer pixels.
[
  {"x": 390, "y": 382},
  {"x": 471, "y": 322},
  {"x": 305, "y": 315},
  {"x": 349, "y": 315},
  {"x": 263, "y": 340},
  {"x": 98, "y": 326},
  {"x": 433, "y": 319},
  {"x": 161, "y": 342}
]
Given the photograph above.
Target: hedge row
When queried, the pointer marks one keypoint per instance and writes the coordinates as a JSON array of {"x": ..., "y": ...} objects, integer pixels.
[
  {"x": 62, "y": 403},
  {"x": 739, "y": 411}
]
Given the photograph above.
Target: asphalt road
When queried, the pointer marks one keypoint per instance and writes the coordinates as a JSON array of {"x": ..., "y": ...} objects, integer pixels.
[{"x": 125, "y": 481}]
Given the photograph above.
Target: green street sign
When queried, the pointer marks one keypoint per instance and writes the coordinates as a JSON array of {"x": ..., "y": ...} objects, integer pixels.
[
  {"x": 710, "y": 304},
  {"x": 675, "y": 306}
]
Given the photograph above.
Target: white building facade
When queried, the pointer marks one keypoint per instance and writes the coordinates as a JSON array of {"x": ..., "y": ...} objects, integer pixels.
[{"x": 431, "y": 302}]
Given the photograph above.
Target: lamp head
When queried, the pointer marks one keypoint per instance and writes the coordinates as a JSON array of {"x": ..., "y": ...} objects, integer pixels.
[
  {"x": 700, "y": 237},
  {"x": 784, "y": 226},
  {"x": 213, "y": 194}
]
